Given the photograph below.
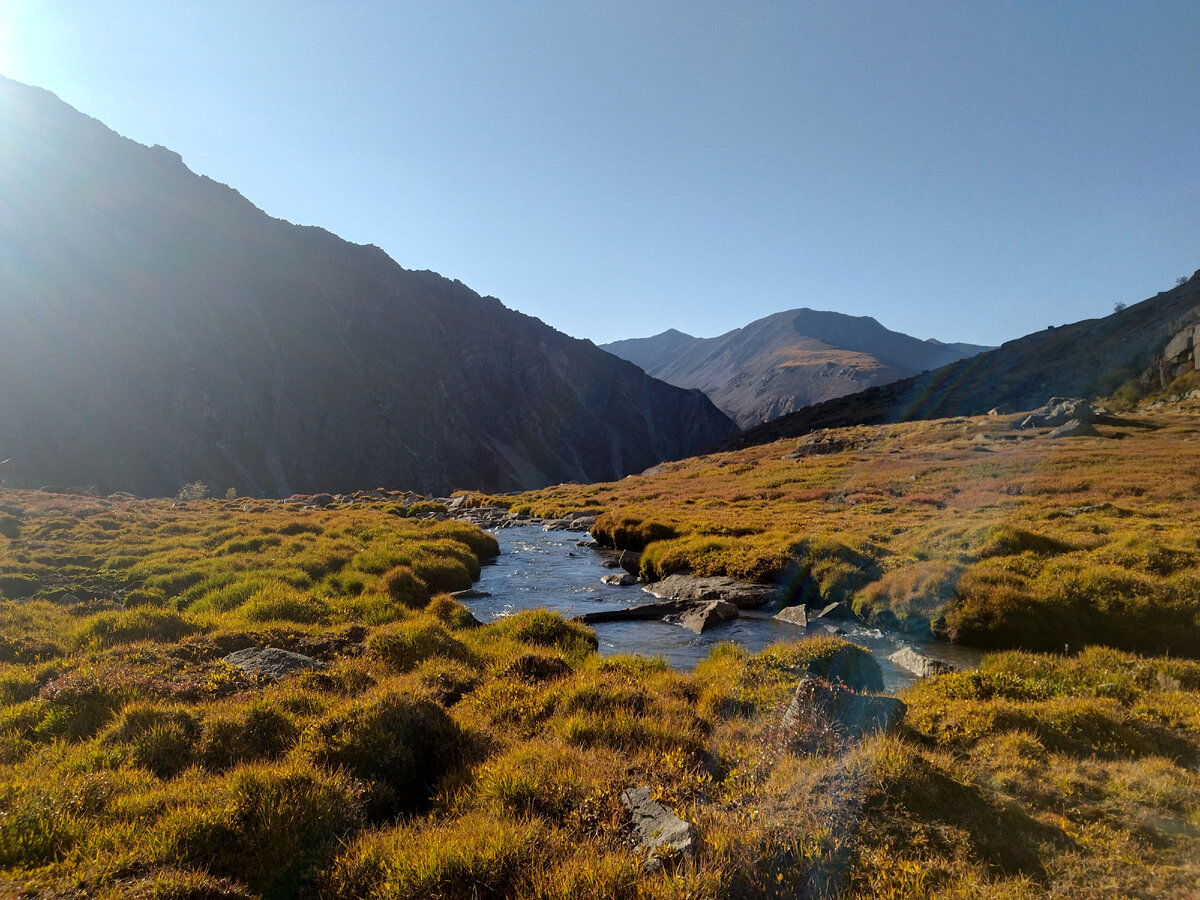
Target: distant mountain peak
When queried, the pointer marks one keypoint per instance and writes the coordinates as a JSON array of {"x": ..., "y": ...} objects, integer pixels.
[{"x": 787, "y": 360}]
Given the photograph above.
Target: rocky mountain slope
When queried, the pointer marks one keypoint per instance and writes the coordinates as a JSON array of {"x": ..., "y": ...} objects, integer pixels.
[
  {"x": 787, "y": 361},
  {"x": 1151, "y": 341},
  {"x": 159, "y": 329}
]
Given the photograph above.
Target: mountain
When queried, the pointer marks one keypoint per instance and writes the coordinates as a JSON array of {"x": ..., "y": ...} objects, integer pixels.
[
  {"x": 786, "y": 361},
  {"x": 160, "y": 329},
  {"x": 1151, "y": 341}
]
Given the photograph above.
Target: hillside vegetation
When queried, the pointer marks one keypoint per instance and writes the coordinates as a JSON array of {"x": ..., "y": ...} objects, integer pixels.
[
  {"x": 430, "y": 756},
  {"x": 973, "y": 528}
]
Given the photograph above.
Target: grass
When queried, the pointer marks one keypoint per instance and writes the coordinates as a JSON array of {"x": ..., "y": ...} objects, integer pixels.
[
  {"x": 435, "y": 757},
  {"x": 971, "y": 529}
]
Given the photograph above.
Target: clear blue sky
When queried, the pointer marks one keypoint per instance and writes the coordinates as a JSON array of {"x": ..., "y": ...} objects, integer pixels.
[{"x": 971, "y": 171}]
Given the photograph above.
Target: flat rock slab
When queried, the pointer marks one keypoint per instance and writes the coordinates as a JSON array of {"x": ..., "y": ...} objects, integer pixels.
[
  {"x": 658, "y": 828},
  {"x": 741, "y": 594},
  {"x": 272, "y": 662},
  {"x": 920, "y": 664}
]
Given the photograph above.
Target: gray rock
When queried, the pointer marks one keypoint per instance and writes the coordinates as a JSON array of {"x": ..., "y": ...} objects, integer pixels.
[
  {"x": 701, "y": 617},
  {"x": 1074, "y": 428},
  {"x": 855, "y": 714},
  {"x": 688, "y": 587},
  {"x": 272, "y": 662},
  {"x": 920, "y": 664},
  {"x": 659, "y": 610},
  {"x": 834, "y": 612},
  {"x": 469, "y": 594},
  {"x": 630, "y": 561},
  {"x": 659, "y": 831},
  {"x": 1059, "y": 411},
  {"x": 794, "y": 615},
  {"x": 623, "y": 579}
]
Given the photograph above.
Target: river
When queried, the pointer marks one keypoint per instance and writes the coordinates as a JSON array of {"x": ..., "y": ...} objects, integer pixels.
[{"x": 548, "y": 570}]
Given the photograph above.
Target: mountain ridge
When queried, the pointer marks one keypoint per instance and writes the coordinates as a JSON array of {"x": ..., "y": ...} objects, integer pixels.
[
  {"x": 787, "y": 360},
  {"x": 162, "y": 329}
]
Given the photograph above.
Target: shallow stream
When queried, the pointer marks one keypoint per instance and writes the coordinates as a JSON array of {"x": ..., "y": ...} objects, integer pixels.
[{"x": 548, "y": 569}]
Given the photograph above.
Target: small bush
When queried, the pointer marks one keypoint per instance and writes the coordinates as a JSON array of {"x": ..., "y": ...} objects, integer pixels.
[
  {"x": 398, "y": 745},
  {"x": 259, "y": 732},
  {"x": 160, "y": 739},
  {"x": 630, "y": 533},
  {"x": 402, "y": 585}
]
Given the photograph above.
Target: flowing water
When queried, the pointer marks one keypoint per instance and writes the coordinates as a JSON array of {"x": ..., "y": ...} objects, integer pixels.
[{"x": 548, "y": 570}]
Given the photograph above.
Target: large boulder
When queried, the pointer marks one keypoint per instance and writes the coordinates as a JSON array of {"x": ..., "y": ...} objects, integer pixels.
[
  {"x": 820, "y": 703},
  {"x": 1059, "y": 411},
  {"x": 701, "y": 617},
  {"x": 741, "y": 594},
  {"x": 1074, "y": 428}
]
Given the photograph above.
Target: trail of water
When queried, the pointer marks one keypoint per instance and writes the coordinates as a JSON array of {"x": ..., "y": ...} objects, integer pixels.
[{"x": 546, "y": 569}]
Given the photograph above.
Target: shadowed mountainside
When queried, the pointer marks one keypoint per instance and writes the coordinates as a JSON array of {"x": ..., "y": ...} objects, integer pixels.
[
  {"x": 1089, "y": 358},
  {"x": 160, "y": 329},
  {"x": 786, "y": 361}
]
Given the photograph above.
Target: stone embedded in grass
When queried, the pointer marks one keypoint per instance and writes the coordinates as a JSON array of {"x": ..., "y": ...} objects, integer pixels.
[
  {"x": 271, "y": 662},
  {"x": 658, "y": 829},
  {"x": 920, "y": 664},
  {"x": 817, "y": 702}
]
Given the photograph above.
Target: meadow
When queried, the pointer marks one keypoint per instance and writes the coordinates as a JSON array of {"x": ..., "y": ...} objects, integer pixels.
[{"x": 430, "y": 756}]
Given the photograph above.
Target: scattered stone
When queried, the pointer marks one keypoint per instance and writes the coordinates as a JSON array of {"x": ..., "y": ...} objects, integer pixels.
[
  {"x": 659, "y": 831},
  {"x": 919, "y": 664},
  {"x": 794, "y": 615},
  {"x": 271, "y": 662},
  {"x": 820, "y": 447},
  {"x": 834, "y": 612},
  {"x": 688, "y": 587},
  {"x": 1080, "y": 510},
  {"x": 1059, "y": 411},
  {"x": 623, "y": 580},
  {"x": 1074, "y": 428},
  {"x": 699, "y": 618}
]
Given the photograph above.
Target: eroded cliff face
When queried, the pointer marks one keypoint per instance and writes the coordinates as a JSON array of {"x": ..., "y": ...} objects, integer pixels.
[{"x": 160, "y": 329}]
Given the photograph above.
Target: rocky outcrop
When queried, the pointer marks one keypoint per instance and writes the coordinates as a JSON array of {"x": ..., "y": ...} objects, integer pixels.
[
  {"x": 699, "y": 617},
  {"x": 794, "y": 615},
  {"x": 210, "y": 342},
  {"x": 694, "y": 615}
]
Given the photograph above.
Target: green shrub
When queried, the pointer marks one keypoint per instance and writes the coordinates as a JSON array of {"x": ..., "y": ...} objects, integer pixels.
[
  {"x": 160, "y": 739},
  {"x": 451, "y": 613},
  {"x": 468, "y": 858},
  {"x": 259, "y": 732}
]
